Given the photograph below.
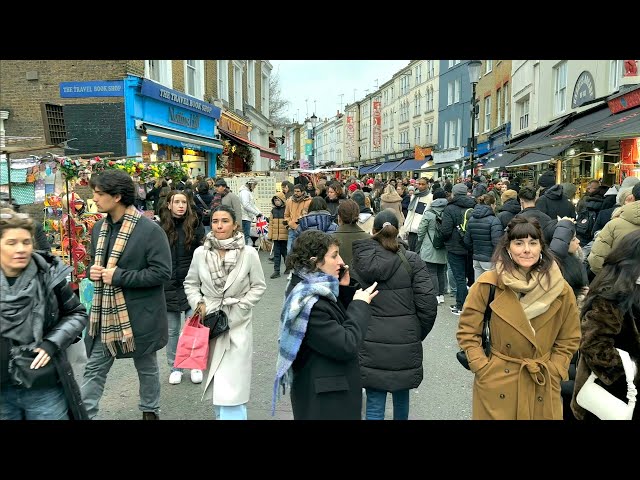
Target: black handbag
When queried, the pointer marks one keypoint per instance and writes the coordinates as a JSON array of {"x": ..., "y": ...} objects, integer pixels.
[
  {"x": 217, "y": 322},
  {"x": 21, "y": 373},
  {"x": 486, "y": 332}
]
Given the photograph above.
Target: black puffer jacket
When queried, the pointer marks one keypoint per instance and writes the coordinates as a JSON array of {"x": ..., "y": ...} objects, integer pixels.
[
  {"x": 483, "y": 233},
  {"x": 555, "y": 204},
  {"x": 509, "y": 209},
  {"x": 452, "y": 217},
  {"x": 332, "y": 206},
  {"x": 402, "y": 315},
  {"x": 181, "y": 257}
]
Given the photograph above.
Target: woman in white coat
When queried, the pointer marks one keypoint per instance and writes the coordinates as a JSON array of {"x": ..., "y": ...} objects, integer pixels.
[{"x": 226, "y": 274}]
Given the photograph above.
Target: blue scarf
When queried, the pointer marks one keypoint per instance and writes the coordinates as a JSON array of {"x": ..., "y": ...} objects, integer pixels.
[{"x": 293, "y": 323}]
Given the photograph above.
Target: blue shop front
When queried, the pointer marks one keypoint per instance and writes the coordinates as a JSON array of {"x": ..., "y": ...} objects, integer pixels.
[{"x": 165, "y": 125}]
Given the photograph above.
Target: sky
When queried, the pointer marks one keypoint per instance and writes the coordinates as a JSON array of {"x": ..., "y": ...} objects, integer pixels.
[{"x": 321, "y": 82}]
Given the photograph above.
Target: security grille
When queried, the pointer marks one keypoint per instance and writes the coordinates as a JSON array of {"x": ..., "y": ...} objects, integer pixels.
[{"x": 53, "y": 122}]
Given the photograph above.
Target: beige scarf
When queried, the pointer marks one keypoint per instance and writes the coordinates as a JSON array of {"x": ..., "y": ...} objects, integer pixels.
[
  {"x": 220, "y": 267},
  {"x": 537, "y": 292}
]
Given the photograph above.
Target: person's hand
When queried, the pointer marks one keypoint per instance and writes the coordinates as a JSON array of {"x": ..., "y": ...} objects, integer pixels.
[
  {"x": 41, "y": 359},
  {"x": 366, "y": 294},
  {"x": 201, "y": 309},
  {"x": 95, "y": 273},
  {"x": 107, "y": 275}
]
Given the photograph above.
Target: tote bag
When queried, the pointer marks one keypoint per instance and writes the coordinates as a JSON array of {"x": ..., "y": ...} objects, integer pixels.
[{"x": 193, "y": 345}]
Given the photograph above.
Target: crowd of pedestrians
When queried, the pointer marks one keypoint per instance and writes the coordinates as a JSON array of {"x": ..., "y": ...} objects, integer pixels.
[{"x": 369, "y": 263}]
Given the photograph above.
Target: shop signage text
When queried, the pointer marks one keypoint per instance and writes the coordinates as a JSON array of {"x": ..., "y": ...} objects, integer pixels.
[
  {"x": 159, "y": 92},
  {"x": 106, "y": 88},
  {"x": 584, "y": 90},
  {"x": 625, "y": 102},
  {"x": 191, "y": 120}
]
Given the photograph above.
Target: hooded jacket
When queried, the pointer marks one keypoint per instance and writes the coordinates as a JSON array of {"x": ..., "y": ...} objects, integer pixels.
[
  {"x": 427, "y": 230},
  {"x": 452, "y": 217},
  {"x": 509, "y": 209},
  {"x": 393, "y": 201},
  {"x": 555, "y": 204},
  {"x": 402, "y": 315},
  {"x": 483, "y": 233},
  {"x": 317, "y": 220},
  {"x": 277, "y": 228}
]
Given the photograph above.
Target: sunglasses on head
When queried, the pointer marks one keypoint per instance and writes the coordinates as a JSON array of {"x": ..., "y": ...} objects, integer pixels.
[{"x": 8, "y": 216}]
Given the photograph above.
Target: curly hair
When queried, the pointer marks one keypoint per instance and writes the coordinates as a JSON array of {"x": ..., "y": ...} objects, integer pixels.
[{"x": 310, "y": 243}]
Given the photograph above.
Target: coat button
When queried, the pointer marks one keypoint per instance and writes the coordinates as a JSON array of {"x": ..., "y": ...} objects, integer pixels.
[
  {"x": 508, "y": 345},
  {"x": 502, "y": 395},
  {"x": 506, "y": 370},
  {"x": 539, "y": 399}
]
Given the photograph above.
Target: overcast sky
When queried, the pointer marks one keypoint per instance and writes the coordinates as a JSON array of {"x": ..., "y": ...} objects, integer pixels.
[{"x": 323, "y": 81}]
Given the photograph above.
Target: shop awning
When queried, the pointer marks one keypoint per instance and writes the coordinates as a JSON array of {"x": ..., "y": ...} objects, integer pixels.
[
  {"x": 387, "y": 167},
  {"x": 409, "y": 164},
  {"x": 501, "y": 160},
  {"x": 368, "y": 168},
  {"x": 541, "y": 155},
  {"x": 264, "y": 152},
  {"x": 624, "y": 124},
  {"x": 174, "y": 138},
  {"x": 437, "y": 166}
]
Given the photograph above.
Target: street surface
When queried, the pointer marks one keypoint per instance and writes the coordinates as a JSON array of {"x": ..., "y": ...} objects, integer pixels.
[{"x": 445, "y": 392}]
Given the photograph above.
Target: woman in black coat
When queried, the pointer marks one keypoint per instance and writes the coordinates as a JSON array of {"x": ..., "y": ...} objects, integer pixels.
[
  {"x": 483, "y": 233},
  {"x": 185, "y": 234},
  {"x": 401, "y": 317},
  {"x": 510, "y": 207},
  {"x": 40, "y": 317},
  {"x": 323, "y": 323},
  {"x": 335, "y": 196}
]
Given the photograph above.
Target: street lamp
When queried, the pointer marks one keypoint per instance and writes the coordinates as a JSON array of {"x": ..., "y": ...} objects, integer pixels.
[
  {"x": 474, "y": 77},
  {"x": 311, "y": 125}
]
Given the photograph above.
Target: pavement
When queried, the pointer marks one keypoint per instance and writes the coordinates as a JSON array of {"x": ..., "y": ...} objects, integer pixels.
[{"x": 444, "y": 394}]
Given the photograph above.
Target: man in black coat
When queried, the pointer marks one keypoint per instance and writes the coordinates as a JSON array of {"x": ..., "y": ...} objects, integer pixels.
[
  {"x": 141, "y": 271},
  {"x": 527, "y": 197},
  {"x": 552, "y": 199}
]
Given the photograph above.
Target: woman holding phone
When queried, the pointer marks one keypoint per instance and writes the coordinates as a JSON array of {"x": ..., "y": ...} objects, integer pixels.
[{"x": 323, "y": 322}]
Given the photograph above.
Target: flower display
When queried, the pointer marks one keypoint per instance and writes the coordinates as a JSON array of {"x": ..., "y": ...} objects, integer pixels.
[{"x": 78, "y": 168}]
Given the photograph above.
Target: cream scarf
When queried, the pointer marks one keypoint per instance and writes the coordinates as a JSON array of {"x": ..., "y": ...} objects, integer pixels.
[
  {"x": 537, "y": 293},
  {"x": 218, "y": 267}
]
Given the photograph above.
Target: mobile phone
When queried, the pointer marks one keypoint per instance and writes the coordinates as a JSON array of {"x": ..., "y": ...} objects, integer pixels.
[{"x": 343, "y": 270}]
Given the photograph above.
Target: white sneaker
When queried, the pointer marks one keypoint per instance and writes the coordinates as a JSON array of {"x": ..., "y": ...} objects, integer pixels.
[
  {"x": 175, "y": 378},
  {"x": 196, "y": 376},
  {"x": 440, "y": 299}
]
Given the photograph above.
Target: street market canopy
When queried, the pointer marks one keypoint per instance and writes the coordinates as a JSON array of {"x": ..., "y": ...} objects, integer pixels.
[
  {"x": 173, "y": 138},
  {"x": 264, "y": 152}
]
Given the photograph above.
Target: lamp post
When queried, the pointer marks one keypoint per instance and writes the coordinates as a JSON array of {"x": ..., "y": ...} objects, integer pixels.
[
  {"x": 474, "y": 77},
  {"x": 311, "y": 125}
]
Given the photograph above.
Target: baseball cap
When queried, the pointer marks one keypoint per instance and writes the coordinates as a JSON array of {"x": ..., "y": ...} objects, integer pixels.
[{"x": 220, "y": 183}]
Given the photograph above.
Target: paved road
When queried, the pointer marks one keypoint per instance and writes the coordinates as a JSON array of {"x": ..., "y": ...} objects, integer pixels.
[{"x": 445, "y": 392}]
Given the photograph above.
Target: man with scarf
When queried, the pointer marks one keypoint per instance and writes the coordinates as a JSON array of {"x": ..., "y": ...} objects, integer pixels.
[
  {"x": 224, "y": 196},
  {"x": 420, "y": 202},
  {"x": 295, "y": 207},
  {"x": 128, "y": 319}
]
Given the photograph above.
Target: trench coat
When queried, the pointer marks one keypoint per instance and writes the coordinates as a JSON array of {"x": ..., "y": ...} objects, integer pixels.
[
  {"x": 522, "y": 378},
  {"x": 230, "y": 354}
]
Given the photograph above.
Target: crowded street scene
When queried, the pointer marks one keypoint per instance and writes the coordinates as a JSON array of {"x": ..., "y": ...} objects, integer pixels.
[{"x": 461, "y": 242}]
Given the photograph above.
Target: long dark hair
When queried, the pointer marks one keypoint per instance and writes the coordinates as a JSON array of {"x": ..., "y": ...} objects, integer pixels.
[
  {"x": 167, "y": 221},
  {"x": 523, "y": 227},
  {"x": 616, "y": 282}
]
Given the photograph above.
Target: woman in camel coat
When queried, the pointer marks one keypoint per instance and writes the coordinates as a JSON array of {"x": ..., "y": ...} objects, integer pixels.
[{"x": 391, "y": 199}]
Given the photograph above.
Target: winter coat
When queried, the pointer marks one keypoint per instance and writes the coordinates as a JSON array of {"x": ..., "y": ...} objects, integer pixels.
[
  {"x": 414, "y": 215},
  {"x": 546, "y": 223},
  {"x": 521, "y": 379},
  {"x": 452, "y": 217},
  {"x": 479, "y": 189},
  {"x": 497, "y": 196},
  {"x": 142, "y": 270},
  {"x": 295, "y": 209},
  {"x": 317, "y": 220},
  {"x": 200, "y": 208},
  {"x": 249, "y": 208},
  {"x": 624, "y": 220},
  {"x": 406, "y": 200},
  {"x": 347, "y": 234},
  {"x": 603, "y": 217},
  {"x": 64, "y": 320},
  {"x": 402, "y": 315},
  {"x": 326, "y": 373},
  {"x": 366, "y": 219},
  {"x": 230, "y": 354},
  {"x": 555, "y": 204},
  {"x": 605, "y": 328},
  {"x": 394, "y": 202},
  {"x": 180, "y": 262},
  {"x": 277, "y": 228},
  {"x": 427, "y": 231},
  {"x": 483, "y": 233},
  {"x": 332, "y": 206},
  {"x": 509, "y": 209}
]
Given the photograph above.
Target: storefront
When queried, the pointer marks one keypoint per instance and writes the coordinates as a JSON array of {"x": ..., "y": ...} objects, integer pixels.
[{"x": 167, "y": 125}]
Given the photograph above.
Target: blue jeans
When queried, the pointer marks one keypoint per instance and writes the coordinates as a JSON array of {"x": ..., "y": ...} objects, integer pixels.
[
  {"x": 95, "y": 377},
  {"x": 290, "y": 241},
  {"x": 458, "y": 264},
  {"x": 376, "y": 400},
  {"x": 230, "y": 412},
  {"x": 451, "y": 280},
  {"x": 17, "y": 403},
  {"x": 175, "y": 324},
  {"x": 246, "y": 229}
]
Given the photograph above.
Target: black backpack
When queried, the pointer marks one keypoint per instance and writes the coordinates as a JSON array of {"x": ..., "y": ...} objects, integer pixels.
[
  {"x": 585, "y": 220},
  {"x": 438, "y": 240}
]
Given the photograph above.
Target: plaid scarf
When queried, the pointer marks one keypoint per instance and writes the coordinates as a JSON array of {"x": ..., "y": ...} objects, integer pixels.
[
  {"x": 293, "y": 323},
  {"x": 220, "y": 268},
  {"x": 108, "y": 301}
]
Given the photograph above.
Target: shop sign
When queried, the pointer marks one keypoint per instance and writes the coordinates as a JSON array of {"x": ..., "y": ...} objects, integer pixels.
[
  {"x": 584, "y": 90},
  {"x": 158, "y": 92},
  {"x": 186, "y": 119},
  {"x": 106, "y": 88},
  {"x": 625, "y": 102}
]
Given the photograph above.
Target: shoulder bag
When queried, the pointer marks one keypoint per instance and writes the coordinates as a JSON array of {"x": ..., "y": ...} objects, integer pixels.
[
  {"x": 217, "y": 321},
  {"x": 604, "y": 405},
  {"x": 486, "y": 332}
]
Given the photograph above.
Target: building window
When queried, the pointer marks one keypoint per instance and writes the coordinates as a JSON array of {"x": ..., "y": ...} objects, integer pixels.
[
  {"x": 451, "y": 63},
  {"x": 429, "y": 132},
  {"x": 264, "y": 97},
  {"x": 560, "y": 88},
  {"x": 223, "y": 80},
  {"x": 450, "y": 90},
  {"x": 523, "y": 108},
  {"x": 615, "y": 74},
  {"x": 487, "y": 113},
  {"x": 237, "y": 86},
  {"x": 416, "y": 110},
  {"x": 55, "y": 131},
  {"x": 451, "y": 134},
  {"x": 251, "y": 82},
  {"x": 456, "y": 96},
  {"x": 488, "y": 66},
  {"x": 416, "y": 135},
  {"x": 418, "y": 73},
  {"x": 159, "y": 71},
  {"x": 505, "y": 94},
  {"x": 194, "y": 78},
  {"x": 498, "y": 107}
]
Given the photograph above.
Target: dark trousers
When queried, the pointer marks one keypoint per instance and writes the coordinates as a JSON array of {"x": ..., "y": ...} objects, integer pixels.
[
  {"x": 458, "y": 264},
  {"x": 279, "y": 250},
  {"x": 412, "y": 240},
  {"x": 470, "y": 272},
  {"x": 437, "y": 274}
]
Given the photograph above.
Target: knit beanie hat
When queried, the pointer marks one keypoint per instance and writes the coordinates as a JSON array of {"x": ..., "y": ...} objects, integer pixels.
[
  {"x": 547, "y": 179},
  {"x": 630, "y": 182},
  {"x": 508, "y": 194},
  {"x": 353, "y": 187},
  {"x": 459, "y": 189},
  {"x": 623, "y": 194},
  {"x": 439, "y": 193}
]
